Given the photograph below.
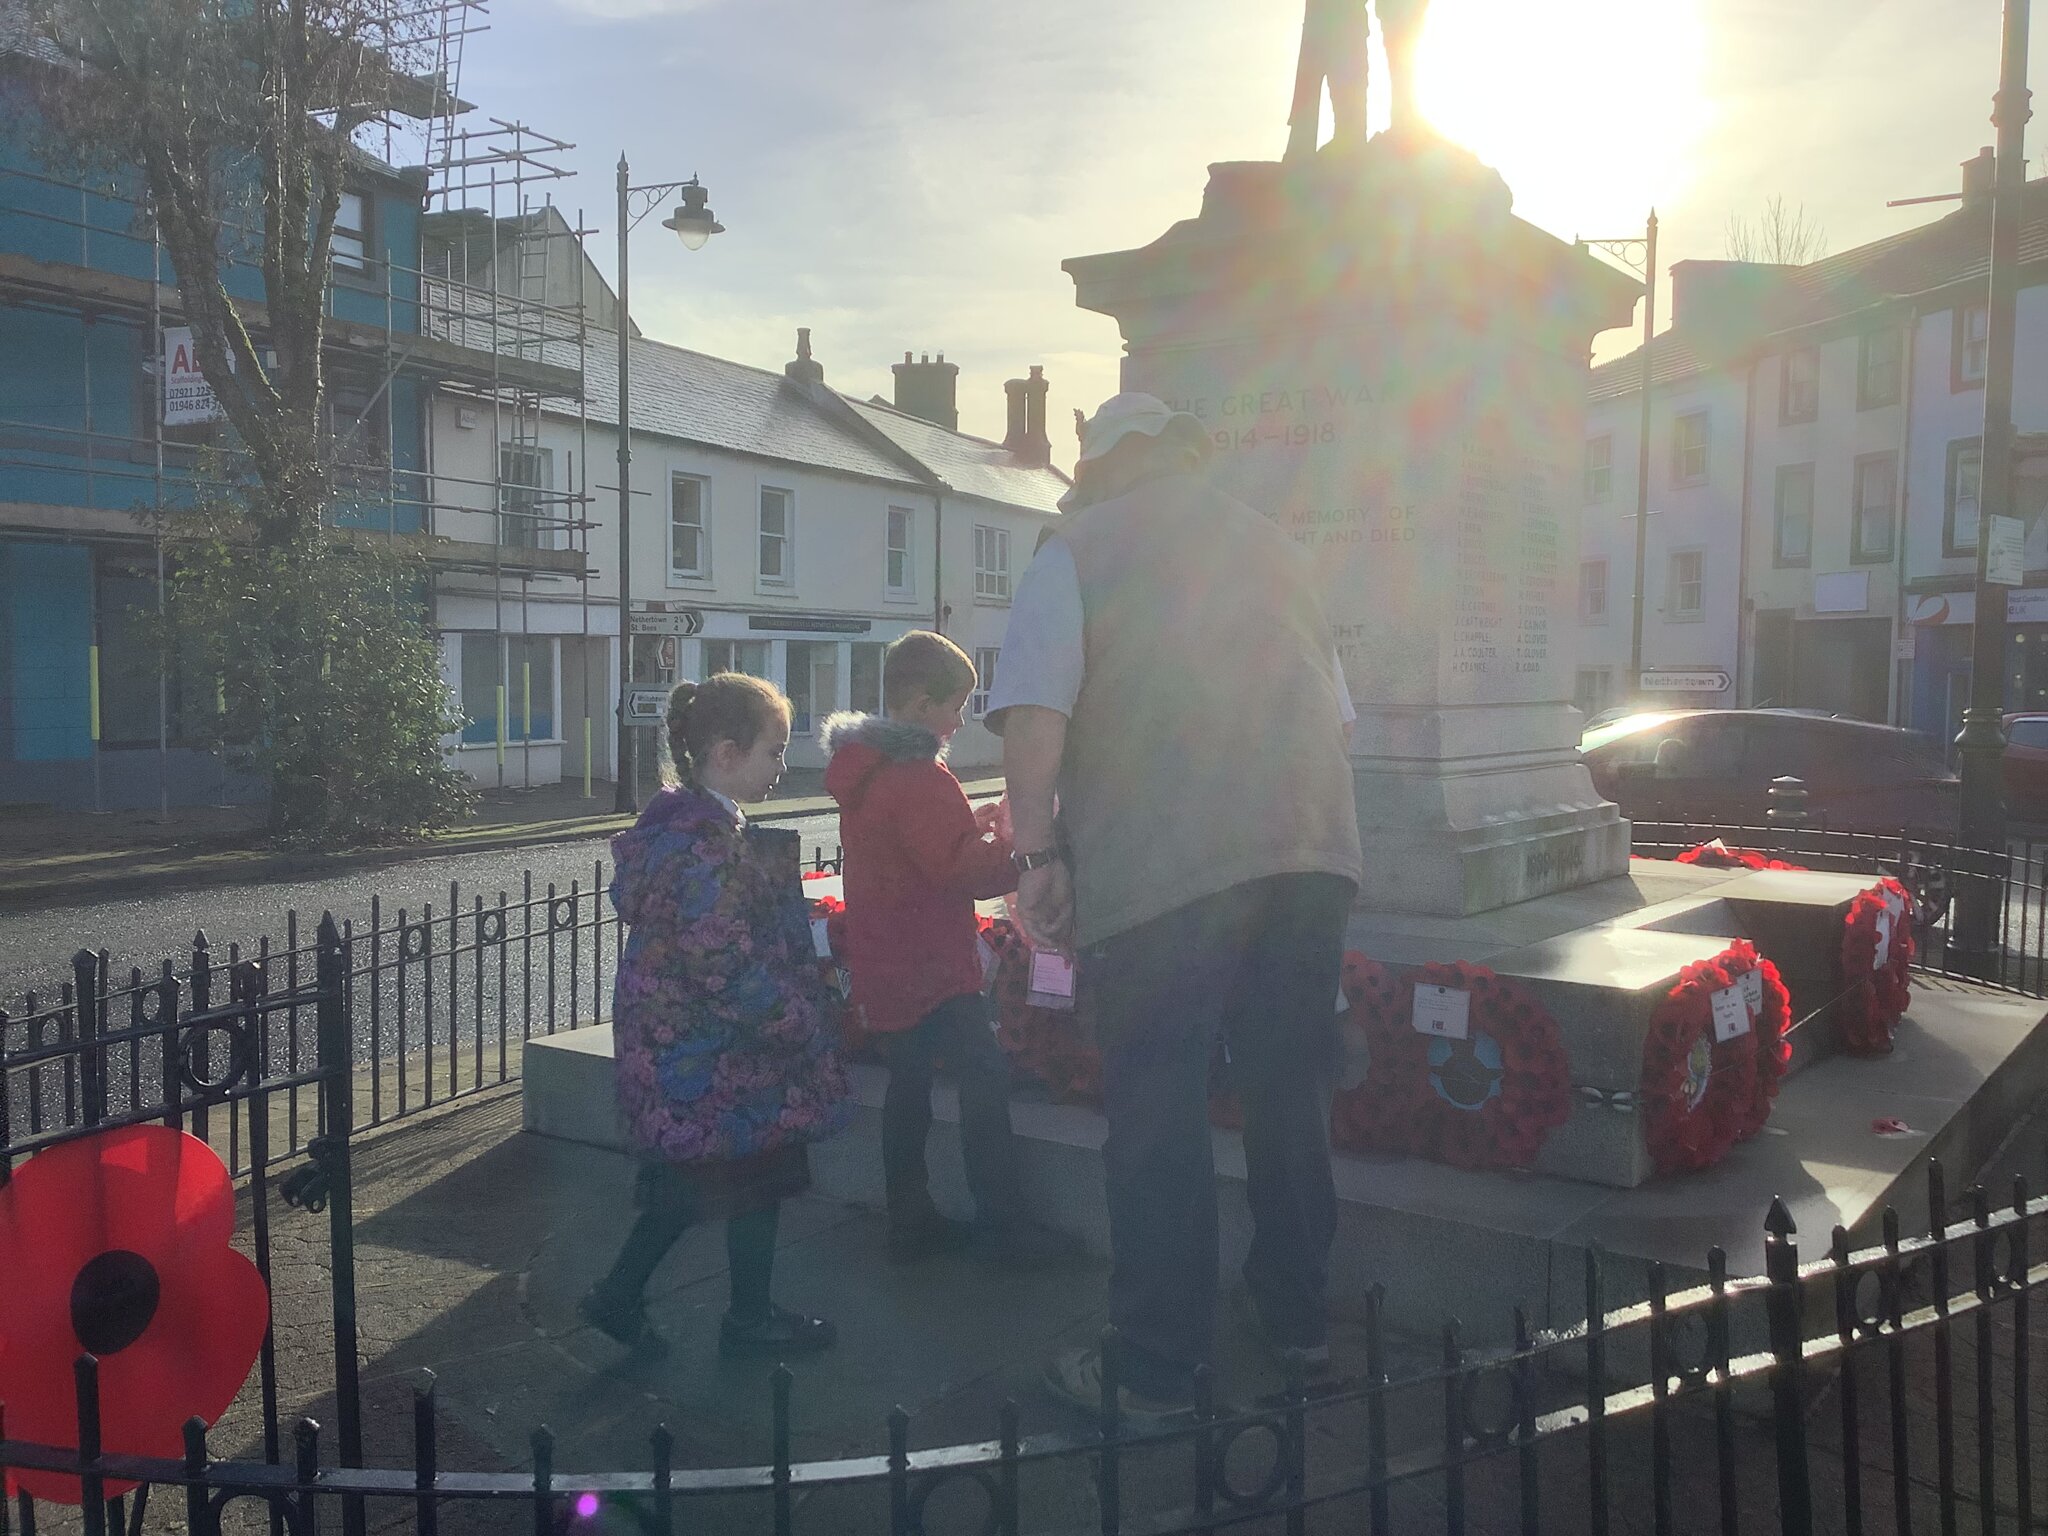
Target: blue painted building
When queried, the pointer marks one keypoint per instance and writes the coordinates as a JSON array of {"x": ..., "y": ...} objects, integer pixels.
[{"x": 92, "y": 714}]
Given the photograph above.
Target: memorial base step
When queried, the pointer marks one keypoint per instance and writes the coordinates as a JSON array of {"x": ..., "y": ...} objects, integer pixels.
[{"x": 1445, "y": 1240}]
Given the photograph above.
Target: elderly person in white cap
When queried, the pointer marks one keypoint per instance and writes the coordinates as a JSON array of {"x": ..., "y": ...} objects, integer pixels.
[{"x": 1168, "y": 674}]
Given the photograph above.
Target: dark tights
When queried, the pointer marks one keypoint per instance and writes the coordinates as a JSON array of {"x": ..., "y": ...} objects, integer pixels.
[{"x": 749, "y": 1252}]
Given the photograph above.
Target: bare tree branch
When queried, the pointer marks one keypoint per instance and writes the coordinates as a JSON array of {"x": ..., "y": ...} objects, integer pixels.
[{"x": 1778, "y": 236}]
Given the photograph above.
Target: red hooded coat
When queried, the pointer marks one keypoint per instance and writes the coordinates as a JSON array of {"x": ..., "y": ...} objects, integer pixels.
[{"x": 915, "y": 866}]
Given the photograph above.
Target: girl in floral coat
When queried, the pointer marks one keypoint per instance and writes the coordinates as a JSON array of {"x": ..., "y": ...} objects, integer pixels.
[{"x": 727, "y": 1061}]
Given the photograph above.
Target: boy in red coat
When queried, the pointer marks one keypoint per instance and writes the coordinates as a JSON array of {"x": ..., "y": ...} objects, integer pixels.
[{"x": 917, "y": 858}]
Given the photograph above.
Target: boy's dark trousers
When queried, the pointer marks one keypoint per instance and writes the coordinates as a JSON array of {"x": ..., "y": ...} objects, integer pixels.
[
  {"x": 1257, "y": 963},
  {"x": 957, "y": 1032}
]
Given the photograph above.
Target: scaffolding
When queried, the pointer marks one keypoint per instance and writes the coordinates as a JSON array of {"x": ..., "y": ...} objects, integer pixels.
[{"x": 489, "y": 319}]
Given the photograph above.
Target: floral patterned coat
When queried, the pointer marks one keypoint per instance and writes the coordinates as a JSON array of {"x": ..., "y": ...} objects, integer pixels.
[{"x": 722, "y": 1026}]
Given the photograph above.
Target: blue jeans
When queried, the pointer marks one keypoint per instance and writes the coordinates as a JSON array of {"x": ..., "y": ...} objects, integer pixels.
[{"x": 1258, "y": 965}]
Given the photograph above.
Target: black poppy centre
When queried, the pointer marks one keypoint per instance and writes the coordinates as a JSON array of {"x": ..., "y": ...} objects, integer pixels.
[{"x": 113, "y": 1300}]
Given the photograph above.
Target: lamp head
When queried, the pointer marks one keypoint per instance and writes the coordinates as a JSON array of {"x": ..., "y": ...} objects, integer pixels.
[{"x": 692, "y": 221}]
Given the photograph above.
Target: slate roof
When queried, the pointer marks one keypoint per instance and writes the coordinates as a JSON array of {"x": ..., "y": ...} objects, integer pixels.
[
  {"x": 701, "y": 399},
  {"x": 696, "y": 398},
  {"x": 972, "y": 466},
  {"x": 1951, "y": 250}
]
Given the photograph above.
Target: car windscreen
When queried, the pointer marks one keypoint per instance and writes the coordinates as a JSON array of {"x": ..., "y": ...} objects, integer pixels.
[{"x": 1593, "y": 740}]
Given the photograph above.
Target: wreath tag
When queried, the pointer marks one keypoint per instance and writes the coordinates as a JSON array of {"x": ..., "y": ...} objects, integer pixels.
[
  {"x": 1884, "y": 935},
  {"x": 821, "y": 941},
  {"x": 1052, "y": 980},
  {"x": 990, "y": 962},
  {"x": 1445, "y": 1012},
  {"x": 1731, "y": 1013},
  {"x": 1753, "y": 992}
]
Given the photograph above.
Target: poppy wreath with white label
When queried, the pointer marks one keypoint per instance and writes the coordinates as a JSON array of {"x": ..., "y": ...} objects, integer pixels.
[
  {"x": 1697, "y": 1093},
  {"x": 1874, "y": 996},
  {"x": 1489, "y": 1100},
  {"x": 1772, "y": 1025}
]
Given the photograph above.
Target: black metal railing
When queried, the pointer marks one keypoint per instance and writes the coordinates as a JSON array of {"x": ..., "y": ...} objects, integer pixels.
[
  {"x": 1691, "y": 1411},
  {"x": 1923, "y": 1342},
  {"x": 439, "y": 1000}
]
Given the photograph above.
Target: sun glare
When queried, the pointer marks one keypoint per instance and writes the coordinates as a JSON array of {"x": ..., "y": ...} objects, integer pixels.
[{"x": 1592, "y": 110}]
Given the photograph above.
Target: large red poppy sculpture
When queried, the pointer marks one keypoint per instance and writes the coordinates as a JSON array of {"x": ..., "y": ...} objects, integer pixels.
[{"x": 117, "y": 1245}]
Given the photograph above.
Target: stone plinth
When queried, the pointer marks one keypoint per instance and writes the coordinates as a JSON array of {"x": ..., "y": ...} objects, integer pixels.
[{"x": 1393, "y": 366}]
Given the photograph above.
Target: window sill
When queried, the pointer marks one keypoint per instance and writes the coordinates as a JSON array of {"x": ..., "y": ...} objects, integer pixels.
[
  {"x": 1877, "y": 405},
  {"x": 1694, "y": 484},
  {"x": 1887, "y": 558},
  {"x": 1686, "y": 618},
  {"x": 992, "y": 602},
  {"x": 1798, "y": 421},
  {"x": 1791, "y": 565},
  {"x": 699, "y": 583},
  {"x": 1964, "y": 386},
  {"x": 901, "y": 599}
]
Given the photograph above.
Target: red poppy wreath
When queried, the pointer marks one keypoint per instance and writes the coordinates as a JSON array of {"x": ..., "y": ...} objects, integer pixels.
[
  {"x": 1698, "y": 1093},
  {"x": 1486, "y": 1097},
  {"x": 1770, "y": 1012},
  {"x": 117, "y": 1245},
  {"x": 1877, "y": 987}
]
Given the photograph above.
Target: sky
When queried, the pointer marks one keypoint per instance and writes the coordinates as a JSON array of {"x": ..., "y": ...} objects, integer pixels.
[{"x": 909, "y": 174}]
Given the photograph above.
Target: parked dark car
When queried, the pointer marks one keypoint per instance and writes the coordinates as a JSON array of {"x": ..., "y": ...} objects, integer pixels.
[
  {"x": 1715, "y": 767},
  {"x": 2026, "y": 765}
]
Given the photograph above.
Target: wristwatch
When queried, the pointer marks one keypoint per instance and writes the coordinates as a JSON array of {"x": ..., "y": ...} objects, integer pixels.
[{"x": 1026, "y": 862}]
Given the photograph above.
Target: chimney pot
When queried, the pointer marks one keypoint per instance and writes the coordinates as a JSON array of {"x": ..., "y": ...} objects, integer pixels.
[
  {"x": 1033, "y": 445},
  {"x": 804, "y": 369}
]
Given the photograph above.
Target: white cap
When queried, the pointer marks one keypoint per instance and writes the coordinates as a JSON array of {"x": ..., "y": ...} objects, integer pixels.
[{"x": 1121, "y": 415}]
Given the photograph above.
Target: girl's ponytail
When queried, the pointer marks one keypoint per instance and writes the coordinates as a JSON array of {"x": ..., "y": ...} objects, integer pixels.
[{"x": 680, "y": 699}]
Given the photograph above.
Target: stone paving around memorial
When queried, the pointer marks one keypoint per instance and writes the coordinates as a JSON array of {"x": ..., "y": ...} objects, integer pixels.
[{"x": 474, "y": 1240}]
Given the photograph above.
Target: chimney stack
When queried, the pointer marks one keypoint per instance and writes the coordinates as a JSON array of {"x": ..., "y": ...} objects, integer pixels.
[
  {"x": 1027, "y": 436},
  {"x": 1980, "y": 175},
  {"x": 804, "y": 369},
  {"x": 929, "y": 390},
  {"x": 1014, "y": 436},
  {"x": 1035, "y": 391}
]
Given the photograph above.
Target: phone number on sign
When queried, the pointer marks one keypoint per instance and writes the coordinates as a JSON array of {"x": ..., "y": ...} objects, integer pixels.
[{"x": 1301, "y": 435}]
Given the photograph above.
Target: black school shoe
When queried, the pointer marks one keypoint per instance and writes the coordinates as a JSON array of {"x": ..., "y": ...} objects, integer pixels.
[
  {"x": 780, "y": 1333},
  {"x": 623, "y": 1322}
]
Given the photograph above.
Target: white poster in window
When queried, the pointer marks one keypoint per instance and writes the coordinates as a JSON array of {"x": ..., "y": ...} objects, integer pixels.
[
  {"x": 1731, "y": 1014},
  {"x": 1442, "y": 1011},
  {"x": 2005, "y": 556},
  {"x": 188, "y": 399}
]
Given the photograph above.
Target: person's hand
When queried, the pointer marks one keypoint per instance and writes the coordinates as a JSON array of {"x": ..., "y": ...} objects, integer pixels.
[
  {"x": 1045, "y": 906},
  {"x": 988, "y": 818}
]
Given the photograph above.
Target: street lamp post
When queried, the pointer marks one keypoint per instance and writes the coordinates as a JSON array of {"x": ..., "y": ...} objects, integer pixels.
[
  {"x": 1981, "y": 744},
  {"x": 1623, "y": 250},
  {"x": 694, "y": 224}
]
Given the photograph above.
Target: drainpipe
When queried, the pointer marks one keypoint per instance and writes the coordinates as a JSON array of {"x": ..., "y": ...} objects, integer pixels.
[
  {"x": 1900, "y": 714},
  {"x": 1742, "y": 599},
  {"x": 938, "y": 562}
]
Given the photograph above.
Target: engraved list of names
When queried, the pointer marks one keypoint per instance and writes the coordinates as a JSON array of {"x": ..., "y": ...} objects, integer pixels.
[{"x": 1506, "y": 573}]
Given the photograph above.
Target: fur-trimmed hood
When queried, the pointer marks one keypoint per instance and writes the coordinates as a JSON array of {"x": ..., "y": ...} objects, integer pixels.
[
  {"x": 862, "y": 746},
  {"x": 897, "y": 740}
]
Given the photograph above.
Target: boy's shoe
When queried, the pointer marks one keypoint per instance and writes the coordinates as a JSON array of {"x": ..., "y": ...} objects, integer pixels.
[
  {"x": 927, "y": 1235},
  {"x": 1308, "y": 1359},
  {"x": 1074, "y": 1376},
  {"x": 625, "y": 1323},
  {"x": 1027, "y": 1245},
  {"x": 780, "y": 1333}
]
